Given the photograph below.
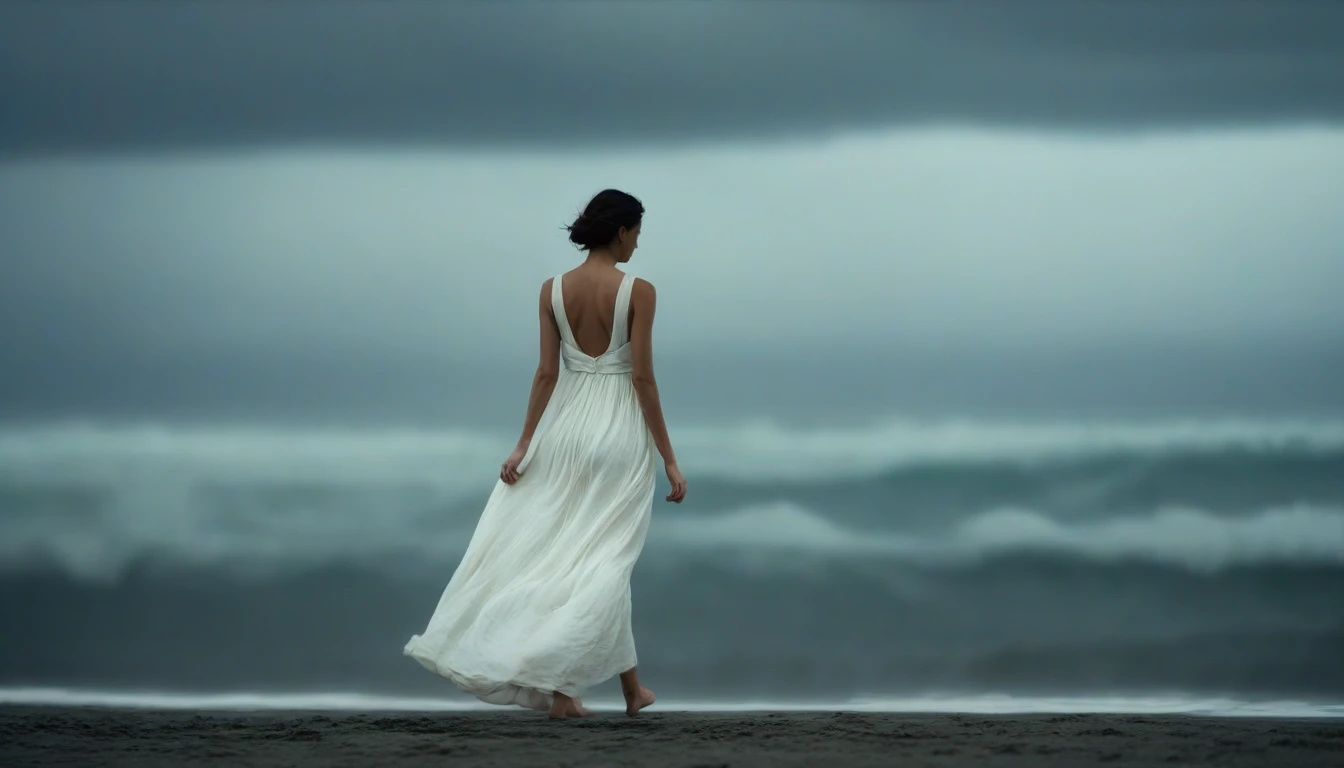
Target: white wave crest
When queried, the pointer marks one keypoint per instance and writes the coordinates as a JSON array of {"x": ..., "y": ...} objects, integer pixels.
[
  {"x": 767, "y": 451},
  {"x": 1183, "y": 538},
  {"x": 465, "y": 461},
  {"x": 92, "y": 500},
  {"x": 102, "y": 548}
]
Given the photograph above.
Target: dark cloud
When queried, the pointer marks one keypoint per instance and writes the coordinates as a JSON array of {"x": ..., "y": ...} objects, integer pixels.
[{"x": 116, "y": 76}]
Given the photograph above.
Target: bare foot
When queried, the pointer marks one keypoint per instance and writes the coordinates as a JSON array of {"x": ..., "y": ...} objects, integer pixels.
[
  {"x": 577, "y": 709},
  {"x": 564, "y": 707},
  {"x": 641, "y": 699}
]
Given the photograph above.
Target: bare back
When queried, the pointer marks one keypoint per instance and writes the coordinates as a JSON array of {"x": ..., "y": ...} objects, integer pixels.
[{"x": 590, "y": 304}]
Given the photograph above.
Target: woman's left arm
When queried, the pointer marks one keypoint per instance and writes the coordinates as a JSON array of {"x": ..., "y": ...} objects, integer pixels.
[{"x": 543, "y": 384}]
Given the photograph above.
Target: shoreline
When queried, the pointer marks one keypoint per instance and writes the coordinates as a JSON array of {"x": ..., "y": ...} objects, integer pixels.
[
  {"x": 1136, "y": 704},
  {"x": 46, "y": 735}
]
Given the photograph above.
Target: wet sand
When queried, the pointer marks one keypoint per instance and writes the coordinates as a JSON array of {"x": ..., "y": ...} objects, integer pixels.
[{"x": 51, "y": 736}]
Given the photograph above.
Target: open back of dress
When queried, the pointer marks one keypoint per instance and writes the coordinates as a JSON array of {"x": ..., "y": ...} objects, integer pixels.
[{"x": 541, "y": 600}]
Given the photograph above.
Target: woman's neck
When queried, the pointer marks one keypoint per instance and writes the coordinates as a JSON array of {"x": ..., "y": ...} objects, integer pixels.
[{"x": 602, "y": 257}]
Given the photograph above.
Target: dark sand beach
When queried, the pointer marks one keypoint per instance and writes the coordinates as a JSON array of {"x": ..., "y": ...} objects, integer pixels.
[{"x": 49, "y": 736}]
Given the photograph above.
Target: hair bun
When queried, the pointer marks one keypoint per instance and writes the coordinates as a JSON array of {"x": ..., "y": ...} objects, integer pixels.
[{"x": 603, "y": 218}]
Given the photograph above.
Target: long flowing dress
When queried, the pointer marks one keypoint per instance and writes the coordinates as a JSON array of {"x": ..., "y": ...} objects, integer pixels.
[{"x": 541, "y": 600}]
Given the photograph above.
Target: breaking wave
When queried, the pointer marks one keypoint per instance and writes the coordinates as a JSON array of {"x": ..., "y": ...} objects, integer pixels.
[
  {"x": 1184, "y": 538},
  {"x": 462, "y": 459},
  {"x": 93, "y": 501}
]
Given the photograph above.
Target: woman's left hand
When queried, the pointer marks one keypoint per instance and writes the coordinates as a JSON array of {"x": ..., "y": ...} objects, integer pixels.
[{"x": 508, "y": 472}]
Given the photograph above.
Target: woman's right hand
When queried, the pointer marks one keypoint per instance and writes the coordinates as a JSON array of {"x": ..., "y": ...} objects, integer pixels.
[
  {"x": 678, "y": 483},
  {"x": 508, "y": 471}
]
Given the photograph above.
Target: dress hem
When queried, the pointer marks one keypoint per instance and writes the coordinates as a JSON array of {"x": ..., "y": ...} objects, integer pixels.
[{"x": 530, "y": 694}]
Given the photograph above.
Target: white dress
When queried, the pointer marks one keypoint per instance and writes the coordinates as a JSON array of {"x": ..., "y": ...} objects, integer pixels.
[{"x": 541, "y": 599}]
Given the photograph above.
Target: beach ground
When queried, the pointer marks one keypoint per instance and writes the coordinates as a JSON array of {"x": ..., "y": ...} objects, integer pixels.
[{"x": 79, "y": 736}]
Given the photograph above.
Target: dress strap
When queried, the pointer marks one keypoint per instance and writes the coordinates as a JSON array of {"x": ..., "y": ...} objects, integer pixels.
[
  {"x": 558, "y": 309},
  {"x": 620, "y": 322}
]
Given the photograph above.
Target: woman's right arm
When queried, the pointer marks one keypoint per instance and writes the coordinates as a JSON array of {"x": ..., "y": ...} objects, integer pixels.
[{"x": 643, "y": 303}]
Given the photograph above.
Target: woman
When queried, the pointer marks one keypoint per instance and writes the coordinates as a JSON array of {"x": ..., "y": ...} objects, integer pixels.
[{"x": 539, "y": 607}]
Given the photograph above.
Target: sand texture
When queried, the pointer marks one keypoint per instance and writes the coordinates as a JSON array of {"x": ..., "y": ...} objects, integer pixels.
[{"x": 54, "y": 736}]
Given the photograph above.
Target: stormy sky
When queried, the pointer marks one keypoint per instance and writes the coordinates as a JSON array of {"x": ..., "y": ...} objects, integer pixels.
[
  {"x": 259, "y": 210},
  {"x": 114, "y": 76}
]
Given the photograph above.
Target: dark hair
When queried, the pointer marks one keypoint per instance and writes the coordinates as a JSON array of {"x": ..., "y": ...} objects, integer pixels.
[{"x": 605, "y": 214}]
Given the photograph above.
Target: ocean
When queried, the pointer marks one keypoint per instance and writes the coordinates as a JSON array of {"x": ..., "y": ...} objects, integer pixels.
[{"x": 907, "y": 562}]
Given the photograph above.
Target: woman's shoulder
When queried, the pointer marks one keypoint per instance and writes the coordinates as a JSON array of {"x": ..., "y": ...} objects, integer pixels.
[
  {"x": 546, "y": 294},
  {"x": 642, "y": 293}
]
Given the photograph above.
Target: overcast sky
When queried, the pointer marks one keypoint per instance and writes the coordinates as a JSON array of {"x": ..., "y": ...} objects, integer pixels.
[
  {"x": 237, "y": 189},
  {"x": 190, "y": 74}
]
